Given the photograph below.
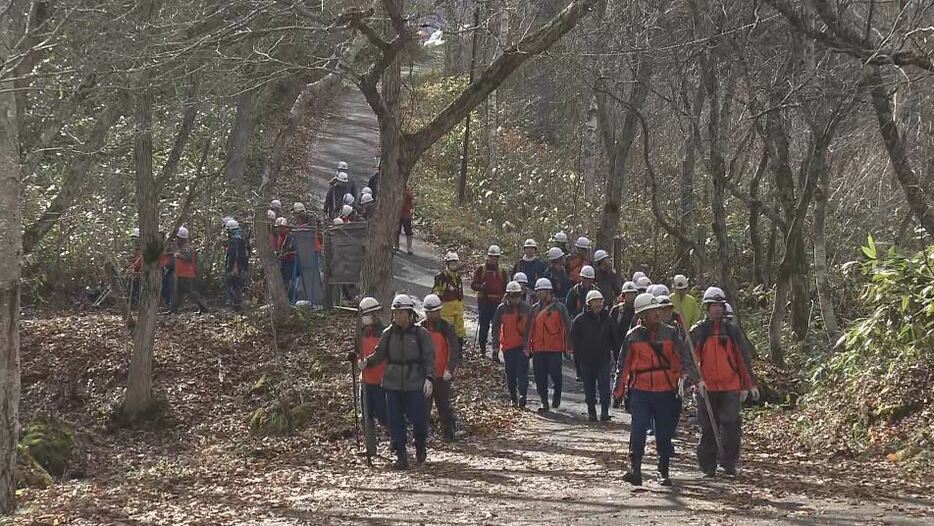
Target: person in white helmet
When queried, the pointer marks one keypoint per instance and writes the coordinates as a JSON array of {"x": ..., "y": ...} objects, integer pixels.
[
  {"x": 369, "y": 331},
  {"x": 684, "y": 303},
  {"x": 186, "y": 272},
  {"x": 643, "y": 284},
  {"x": 276, "y": 208},
  {"x": 334, "y": 199},
  {"x": 557, "y": 273},
  {"x": 447, "y": 358},
  {"x": 449, "y": 286},
  {"x": 512, "y": 328},
  {"x": 576, "y": 301},
  {"x": 405, "y": 221},
  {"x": 489, "y": 282},
  {"x": 551, "y": 328},
  {"x": 348, "y": 215},
  {"x": 608, "y": 281},
  {"x": 623, "y": 316},
  {"x": 723, "y": 354},
  {"x": 342, "y": 166},
  {"x": 367, "y": 206},
  {"x": 408, "y": 379},
  {"x": 236, "y": 265},
  {"x": 579, "y": 259},
  {"x": 560, "y": 240},
  {"x": 285, "y": 249},
  {"x": 592, "y": 339},
  {"x": 300, "y": 217},
  {"x": 653, "y": 359},
  {"x": 523, "y": 281},
  {"x": 530, "y": 264}
]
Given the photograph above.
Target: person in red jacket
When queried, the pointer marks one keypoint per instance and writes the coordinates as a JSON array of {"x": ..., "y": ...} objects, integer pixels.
[
  {"x": 369, "y": 331},
  {"x": 512, "y": 327},
  {"x": 405, "y": 221},
  {"x": 652, "y": 361},
  {"x": 724, "y": 358},
  {"x": 579, "y": 259},
  {"x": 447, "y": 358},
  {"x": 186, "y": 272},
  {"x": 489, "y": 282},
  {"x": 551, "y": 328}
]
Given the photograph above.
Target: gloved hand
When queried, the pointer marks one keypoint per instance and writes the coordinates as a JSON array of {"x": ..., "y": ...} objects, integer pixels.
[
  {"x": 743, "y": 395},
  {"x": 447, "y": 375},
  {"x": 428, "y": 387},
  {"x": 500, "y": 357},
  {"x": 754, "y": 393},
  {"x": 351, "y": 356},
  {"x": 527, "y": 352}
]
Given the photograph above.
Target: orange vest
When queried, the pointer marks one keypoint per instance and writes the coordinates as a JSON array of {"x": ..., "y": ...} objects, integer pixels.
[
  {"x": 721, "y": 365},
  {"x": 548, "y": 332},
  {"x": 442, "y": 351},
  {"x": 575, "y": 264},
  {"x": 648, "y": 370},
  {"x": 186, "y": 269},
  {"x": 369, "y": 339},
  {"x": 512, "y": 329}
]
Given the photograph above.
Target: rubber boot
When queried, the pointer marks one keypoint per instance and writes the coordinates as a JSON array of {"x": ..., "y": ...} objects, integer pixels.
[
  {"x": 544, "y": 407},
  {"x": 605, "y": 412},
  {"x": 402, "y": 459},
  {"x": 663, "y": 478},
  {"x": 591, "y": 413},
  {"x": 421, "y": 451},
  {"x": 634, "y": 475},
  {"x": 556, "y": 401}
]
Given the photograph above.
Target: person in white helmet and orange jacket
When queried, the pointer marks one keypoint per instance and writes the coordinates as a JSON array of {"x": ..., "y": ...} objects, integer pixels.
[
  {"x": 512, "y": 328},
  {"x": 369, "y": 331},
  {"x": 550, "y": 340},
  {"x": 447, "y": 358},
  {"x": 530, "y": 264},
  {"x": 449, "y": 286},
  {"x": 489, "y": 282},
  {"x": 557, "y": 273},
  {"x": 523, "y": 281},
  {"x": 579, "y": 259},
  {"x": 186, "y": 273},
  {"x": 724, "y": 356},
  {"x": 592, "y": 339},
  {"x": 684, "y": 303}
]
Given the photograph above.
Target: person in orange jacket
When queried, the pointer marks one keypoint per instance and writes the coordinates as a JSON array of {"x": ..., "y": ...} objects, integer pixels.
[
  {"x": 579, "y": 259},
  {"x": 447, "y": 358},
  {"x": 512, "y": 327},
  {"x": 369, "y": 331},
  {"x": 186, "y": 271},
  {"x": 653, "y": 359},
  {"x": 551, "y": 328},
  {"x": 725, "y": 365}
]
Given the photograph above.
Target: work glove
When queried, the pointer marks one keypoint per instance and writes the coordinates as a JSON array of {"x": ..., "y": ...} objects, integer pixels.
[
  {"x": 351, "y": 356},
  {"x": 447, "y": 375},
  {"x": 427, "y": 389},
  {"x": 500, "y": 357}
]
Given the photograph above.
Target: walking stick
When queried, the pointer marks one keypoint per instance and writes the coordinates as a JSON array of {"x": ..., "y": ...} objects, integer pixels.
[
  {"x": 356, "y": 415},
  {"x": 710, "y": 414}
]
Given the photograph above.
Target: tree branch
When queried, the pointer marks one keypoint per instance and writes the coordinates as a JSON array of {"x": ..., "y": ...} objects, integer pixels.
[{"x": 181, "y": 139}]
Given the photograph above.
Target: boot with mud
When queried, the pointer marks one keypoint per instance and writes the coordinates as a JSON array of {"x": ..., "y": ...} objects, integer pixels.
[
  {"x": 663, "y": 477},
  {"x": 634, "y": 475}
]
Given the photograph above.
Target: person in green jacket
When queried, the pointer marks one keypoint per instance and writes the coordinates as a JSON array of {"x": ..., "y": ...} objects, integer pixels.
[{"x": 685, "y": 304}]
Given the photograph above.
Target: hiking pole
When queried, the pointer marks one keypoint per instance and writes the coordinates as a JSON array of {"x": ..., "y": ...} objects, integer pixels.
[
  {"x": 356, "y": 415},
  {"x": 704, "y": 394}
]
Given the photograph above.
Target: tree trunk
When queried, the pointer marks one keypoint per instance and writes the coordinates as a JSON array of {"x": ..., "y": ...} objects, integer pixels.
[
  {"x": 824, "y": 294},
  {"x": 591, "y": 151},
  {"x": 239, "y": 140},
  {"x": 10, "y": 260},
  {"x": 776, "y": 351},
  {"x": 686, "y": 216},
  {"x": 755, "y": 238}
]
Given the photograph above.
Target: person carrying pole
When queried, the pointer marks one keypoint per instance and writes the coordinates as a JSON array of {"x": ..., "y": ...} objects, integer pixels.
[
  {"x": 372, "y": 398},
  {"x": 450, "y": 288},
  {"x": 550, "y": 339},
  {"x": 512, "y": 327},
  {"x": 447, "y": 358}
]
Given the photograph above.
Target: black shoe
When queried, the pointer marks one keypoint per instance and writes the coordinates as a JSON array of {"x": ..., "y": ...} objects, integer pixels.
[
  {"x": 543, "y": 409},
  {"x": 578, "y": 379},
  {"x": 633, "y": 477},
  {"x": 730, "y": 472},
  {"x": 592, "y": 414},
  {"x": 421, "y": 453},
  {"x": 605, "y": 417},
  {"x": 709, "y": 474},
  {"x": 556, "y": 402},
  {"x": 663, "y": 477},
  {"x": 522, "y": 403},
  {"x": 401, "y": 462},
  {"x": 411, "y": 253},
  {"x": 514, "y": 402}
]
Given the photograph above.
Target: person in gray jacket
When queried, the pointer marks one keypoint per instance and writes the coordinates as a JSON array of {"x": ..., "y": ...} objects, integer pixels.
[{"x": 409, "y": 354}]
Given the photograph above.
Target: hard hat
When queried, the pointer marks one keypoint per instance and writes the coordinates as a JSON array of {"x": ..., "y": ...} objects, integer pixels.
[
  {"x": 494, "y": 251},
  {"x": 275, "y": 204},
  {"x": 368, "y": 305},
  {"x": 338, "y": 221},
  {"x": 729, "y": 311},
  {"x": 629, "y": 287},
  {"x": 343, "y": 177},
  {"x": 232, "y": 224},
  {"x": 660, "y": 290},
  {"x": 554, "y": 253},
  {"x": 643, "y": 283},
  {"x": 644, "y": 302},
  {"x": 135, "y": 232},
  {"x": 561, "y": 237},
  {"x": 530, "y": 243},
  {"x": 637, "y": 275},
  {"x": 282, "y": 222},
  {"x": 366, "y": 190},
  {"x": 366, "y": 198},
  {"x": 582, "y": 242},
  {"x": 298, "y": 207},
  {"x": 520, "y": 277},
  {"x": 182, "y": 233},
  {"x": 451, "y": 256},
  {"x": 403, "y": 302},
  {"x": 664, "y": 301},
  {"x": 543, "y": 284},
  {"x": 513, "y": 287},
  {"x": 342, "y": 166},
  {"x": 346, "y": 210},
  {"x": 348, "y": 199},
  {"x": 593, "y": 295},
  {"x": 600, "y": 255},
  {"x": 714, "y": 295},
  {"x": 271, "y": 214},
  {"x": 587, "y": 272},
  {"x": 680, "y": 282},
  {"x": 432, "y": 303}
]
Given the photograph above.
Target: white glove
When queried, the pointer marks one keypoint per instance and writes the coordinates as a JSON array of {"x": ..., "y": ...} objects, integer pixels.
[
  {"x": 743, "y": 395},
  {"x": 754, "y": 392},
  {"x": 427, "y": 388},
  {"x": 447, "y": 375},
  {"x": 500, "y": 357}
]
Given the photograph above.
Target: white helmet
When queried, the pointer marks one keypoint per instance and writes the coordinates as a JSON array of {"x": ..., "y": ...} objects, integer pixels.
[
  {"x": 494, "y": 251},
  {"x": 366, "y": 198},
  {"x": 561, "y": 237},
  {"x": 513, "y": 287},
  {"x": 232, "y": 224},
  {"x": 182, "y": 233},
  {"x": 366, "y": 190},
  {"x": 644, "y": 302},
  {"x": 543, "y": 284},
  {"x": 636, "y": 275},
  {"x": 134, "y": 232},
  {"x": 714, "y": 295},
  {"x": 587, "y": 272},
  {"x": 403, "y": 302},
  {"x": 520, "y": 277},
  {"x": 664, "y": 301},
  {"x": 680, "y": 282},
  {"x": 659, "y": 290},
  {"x": 600, "y": 255},
  {"x": 554, "y": 253},
  {"x": 593, "y": 295},
  {"x": 348, "y": 199},
  {"x": 368, "y": 305},
  {"x": 343, "y": 177},
  {"x": 451, "y": 256},
  {"x": 276, "y": 204},
  {"x": 346, "y": 210},
  {"x": 298, "y": 207},
  {"x": 629, "y": 287},
  {"x": 643, "y": 283},
  {"x": 338, "y": 221},
  {"x": 342, "y": 166},
  {"x": 282, "y": 222},
  {"x": 530, "y": 243},
  {"x": 582, "y": 242},
  {"x": 729, "y": 311},
  {"x": 432, "y": 303},
  {"x": 271, "y": 214}
]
